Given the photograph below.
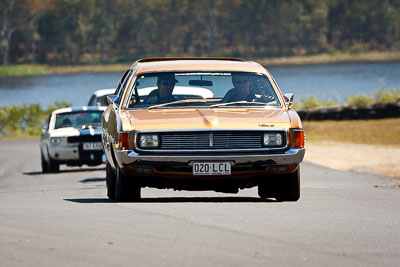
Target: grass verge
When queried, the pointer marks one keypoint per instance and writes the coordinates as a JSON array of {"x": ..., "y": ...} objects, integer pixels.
[
  {"x": 22, "y": 70},
  {"x": 384, "y": 132},
  {"x": 337, "y": 57},
  {"x": 36, "y": 69}
]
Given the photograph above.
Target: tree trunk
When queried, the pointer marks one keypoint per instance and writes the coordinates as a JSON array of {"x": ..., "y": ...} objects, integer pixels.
[
  {"x": 212, "y": 27},
  {"x": 6, "y": 32},
  {"x": 281, "y": 31}
]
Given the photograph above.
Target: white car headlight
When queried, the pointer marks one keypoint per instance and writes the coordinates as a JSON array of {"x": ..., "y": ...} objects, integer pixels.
[
  {"x": 149, "y": 140},
  {"x": 55, "y": 140},
  {"x": 273, "y": 139}
]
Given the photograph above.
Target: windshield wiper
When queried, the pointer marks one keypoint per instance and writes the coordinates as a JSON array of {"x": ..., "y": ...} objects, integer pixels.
[
  {"x": 237, "y": 102},
  {"x": 183, "y": 101}
]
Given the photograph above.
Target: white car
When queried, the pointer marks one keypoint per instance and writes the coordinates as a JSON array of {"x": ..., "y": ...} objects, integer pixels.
[
  {"x": 182, "y": 91},
  {"x": 72, "y": 136},
  {"x": 99, "y": 97}
]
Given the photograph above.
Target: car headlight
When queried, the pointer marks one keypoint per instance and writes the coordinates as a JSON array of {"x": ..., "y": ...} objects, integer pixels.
[
  {"x": 55, "y": 140},
  {"x": 273, "y": 139},
  {"x": 149, "y": 140}
]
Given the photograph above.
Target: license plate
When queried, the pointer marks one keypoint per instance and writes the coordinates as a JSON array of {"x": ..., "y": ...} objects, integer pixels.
[
  {"x": 212, "y": 168},
  {"x": 92, "y": 146}
]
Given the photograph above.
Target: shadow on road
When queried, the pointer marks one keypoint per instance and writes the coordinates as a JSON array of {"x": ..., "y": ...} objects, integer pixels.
[
  {"x": 65, "y": 171},
  {"x": 92, "y": 180},
  {"x": 89, "y": 200},
  {"x": 178, "y": 200}
]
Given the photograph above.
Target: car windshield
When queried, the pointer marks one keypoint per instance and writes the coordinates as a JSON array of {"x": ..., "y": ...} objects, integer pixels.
[
  {"x": 204, "y": 89},
  {"x": 81, "y": 119}
]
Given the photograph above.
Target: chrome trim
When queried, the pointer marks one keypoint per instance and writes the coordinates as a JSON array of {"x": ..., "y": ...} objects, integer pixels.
[
  {"x": 216, "y": 130},
  {"x": 214, "y": 150},
  {"x": 268, "y": 75},
  {"x": 291, "y": 156}
]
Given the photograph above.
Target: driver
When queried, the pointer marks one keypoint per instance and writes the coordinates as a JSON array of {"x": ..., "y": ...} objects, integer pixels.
[{"x": 163, "y": 94}]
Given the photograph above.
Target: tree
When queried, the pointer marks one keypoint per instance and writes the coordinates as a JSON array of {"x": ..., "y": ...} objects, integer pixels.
[{"x": 17, "y": 15}]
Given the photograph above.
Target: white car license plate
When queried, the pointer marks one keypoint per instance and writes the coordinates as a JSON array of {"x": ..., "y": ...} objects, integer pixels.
[
  {"x": 212, "y": 168},
  {"x": 92, "y": 146}
]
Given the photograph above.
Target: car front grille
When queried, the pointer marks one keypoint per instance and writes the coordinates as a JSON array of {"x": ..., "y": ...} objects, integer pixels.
[
  {"x": 84, "y": 138},
  {"x": 212, "y": 140}
]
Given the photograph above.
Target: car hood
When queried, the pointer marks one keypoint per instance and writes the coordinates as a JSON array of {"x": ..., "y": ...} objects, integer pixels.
[
  {"x": 217, "y": 118},
  {"x": 71, "y": 131}
]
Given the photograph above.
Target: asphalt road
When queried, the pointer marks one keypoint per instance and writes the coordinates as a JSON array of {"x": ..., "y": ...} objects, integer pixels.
[{"x": 65, "y": 219}]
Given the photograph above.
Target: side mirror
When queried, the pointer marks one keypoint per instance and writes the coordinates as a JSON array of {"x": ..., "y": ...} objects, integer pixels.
[
  {"x": 288, "y": 99},
  {"x": 111, "y": 99},
  {"x": 44, "y": 128}
]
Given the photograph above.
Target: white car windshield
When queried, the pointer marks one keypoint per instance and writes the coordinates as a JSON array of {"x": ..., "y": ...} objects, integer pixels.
[
  {"x": 82, "y": 119},
  {"x": 204, "y": 89}
]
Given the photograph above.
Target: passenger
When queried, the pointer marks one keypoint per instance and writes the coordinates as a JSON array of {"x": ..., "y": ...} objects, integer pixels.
[
  {"x": 240, "y": 91},
  {"x": 163, "y": 94}
]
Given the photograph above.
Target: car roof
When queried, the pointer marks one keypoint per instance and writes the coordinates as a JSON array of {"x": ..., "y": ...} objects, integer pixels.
[
  {"x": 80, "y": 108},
  {"x": 196, "y": 64},
  {"x": 102, "y": 92}
]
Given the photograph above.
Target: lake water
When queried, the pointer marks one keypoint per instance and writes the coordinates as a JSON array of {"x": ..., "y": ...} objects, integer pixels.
[{"x": 335, "y": 81}]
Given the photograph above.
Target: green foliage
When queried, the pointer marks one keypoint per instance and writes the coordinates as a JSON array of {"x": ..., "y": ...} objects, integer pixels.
[
  {"x": 85, "y": 31},
  {"x": 360, "y": 100},
  {"x": 21, "y": 70},
  {"x": 313, "y": 102},
  {"x": 381, "y": 95},
  {"x": 308, "y": 103},
  {"x": 384, "y": 95},
  {"x": 25, "y": 120}
]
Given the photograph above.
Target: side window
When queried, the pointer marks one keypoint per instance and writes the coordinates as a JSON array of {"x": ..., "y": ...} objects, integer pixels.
[
  {"x": 48, "y": 123},
  {"x": 121, "y": 86},
  {"x": 92, "y": 101},
  {"x": 120, "y": 82}
]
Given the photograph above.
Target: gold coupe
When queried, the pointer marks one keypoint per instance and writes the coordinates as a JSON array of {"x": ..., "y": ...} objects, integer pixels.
[{"x": 217, "y": 124}]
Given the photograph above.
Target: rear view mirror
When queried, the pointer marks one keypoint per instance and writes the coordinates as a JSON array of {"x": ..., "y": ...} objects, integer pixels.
[
  {"x": 201, "y": 83},
  {"x": 111, "y": 99}
]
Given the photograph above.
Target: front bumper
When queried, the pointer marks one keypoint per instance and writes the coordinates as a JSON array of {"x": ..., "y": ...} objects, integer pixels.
[
  {"x": 64, "y": 153},
  {"x": 75, "y": 154},
  {"x": 289, "y": 157}
]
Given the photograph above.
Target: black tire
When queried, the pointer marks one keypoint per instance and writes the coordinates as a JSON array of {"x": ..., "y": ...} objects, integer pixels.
[
  {"x": 43, "y": 163},
  {"x": 268, "y": 187},
  {"x": 110, "y": 181},
  {"x": 126, "y": 188},
  {"x": 52, "y": 165},
  {"x": 289, "y": 186}
]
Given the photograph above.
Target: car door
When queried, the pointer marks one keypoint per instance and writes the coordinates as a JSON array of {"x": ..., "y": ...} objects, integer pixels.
[{"x": 111, "y": 122}]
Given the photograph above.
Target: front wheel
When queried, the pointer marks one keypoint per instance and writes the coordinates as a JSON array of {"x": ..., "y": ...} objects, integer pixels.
[
  {"x": 268, "y": 187},
  {"x": 289, "y": 186},
  {"x": 52, "y": 165},
  {"x": 44, "y": 164},
  {"x": 49, "y": 165},
  {"x": 110, "y": 181},
  {"x": 126, "y": 188}
]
